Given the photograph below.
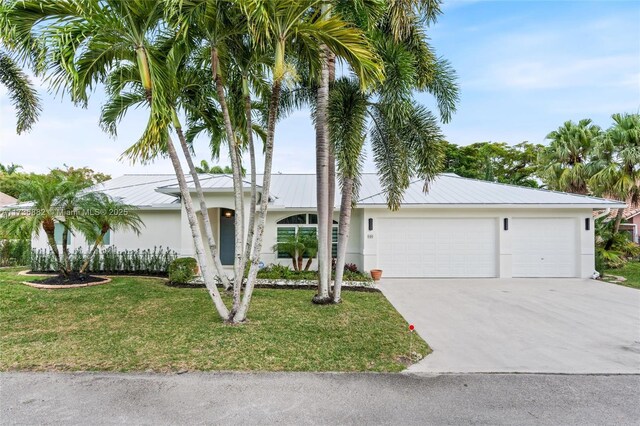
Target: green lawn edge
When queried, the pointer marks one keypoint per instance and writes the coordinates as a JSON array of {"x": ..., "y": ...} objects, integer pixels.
[
  {"x": 631, "y": 271},
  {"x": 138, "y": 324}
]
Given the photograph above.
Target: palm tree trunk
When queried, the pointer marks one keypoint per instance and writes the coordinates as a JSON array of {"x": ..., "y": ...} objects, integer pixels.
[
  {"x": 85, "y": 265},
  {"x": 48, "y": 226},
  {"x": 204, "y": 211},
  {"x": 252, "y": 159},
  {"x": 331, "y": 64},
  {"x": 65, "y": 251},
  {"x": 237, "y": 182},
  {"x": 308, "y": 265},
  {"x": 207, "y": 274},
  {"x": 343, "y": 236},
  {"x": 241, "y": 314},
  {"x": 322, "y": 181}
]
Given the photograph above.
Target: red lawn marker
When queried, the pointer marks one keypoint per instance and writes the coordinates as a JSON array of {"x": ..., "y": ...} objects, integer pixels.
[{"x": 411, "y": 327}]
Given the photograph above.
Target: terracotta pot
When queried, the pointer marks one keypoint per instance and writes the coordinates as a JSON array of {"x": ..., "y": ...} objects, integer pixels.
[{"x": 376, "y": 274}]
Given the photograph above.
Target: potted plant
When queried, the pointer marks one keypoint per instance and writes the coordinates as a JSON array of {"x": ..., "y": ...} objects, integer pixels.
[{"x": 376, "y": 274}]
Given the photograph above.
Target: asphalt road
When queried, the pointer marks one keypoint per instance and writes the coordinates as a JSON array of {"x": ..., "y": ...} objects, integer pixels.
[{"x": 308, "y": 398}]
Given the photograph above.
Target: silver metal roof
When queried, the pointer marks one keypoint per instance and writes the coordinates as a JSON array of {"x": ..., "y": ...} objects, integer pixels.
[
  {"x": 450, "y": 189},
  {"x": 298, "y": 191},
  {"x": 140, "y": 190}
]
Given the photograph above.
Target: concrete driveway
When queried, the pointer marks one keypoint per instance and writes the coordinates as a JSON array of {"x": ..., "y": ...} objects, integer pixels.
[{"x": 522, "y": 325}]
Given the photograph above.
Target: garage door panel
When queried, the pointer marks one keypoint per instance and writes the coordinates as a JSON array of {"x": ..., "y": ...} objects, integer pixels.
[
  {"x": 438, "y": 247},
  {"x": 544, "y": 247}
]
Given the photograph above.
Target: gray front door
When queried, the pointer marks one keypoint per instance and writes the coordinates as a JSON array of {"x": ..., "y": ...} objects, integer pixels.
[{"x": 227, "y": 236}]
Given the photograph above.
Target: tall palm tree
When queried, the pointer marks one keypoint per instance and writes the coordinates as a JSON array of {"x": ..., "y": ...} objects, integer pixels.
[
  {"x": 297, "y": 27},
  {"x": 617, "y": 161},
  {"x": 23, "y": 95},
  {"x": 564, "y": 163},
  {"x": 107, "y": 214},
  {"x": 86, "y": 40}
]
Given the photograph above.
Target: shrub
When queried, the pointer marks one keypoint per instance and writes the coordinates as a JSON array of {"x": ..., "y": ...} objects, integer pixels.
[
  {"x": 183, "y": 270},
  {"x": 15, "y": 252},
  {"x": 351, "y": 267},
  {"x": 110, "y": 261}
]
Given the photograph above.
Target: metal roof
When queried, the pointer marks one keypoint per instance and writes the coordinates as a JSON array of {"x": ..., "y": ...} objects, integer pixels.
[
  {"x": 450, "y": 189},
  {"x": 298, "y": 191},
  {"x": 140, "y": 190}
]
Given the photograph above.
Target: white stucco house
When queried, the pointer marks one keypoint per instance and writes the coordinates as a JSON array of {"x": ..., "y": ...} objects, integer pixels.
[{"x": 460, "y": 228}]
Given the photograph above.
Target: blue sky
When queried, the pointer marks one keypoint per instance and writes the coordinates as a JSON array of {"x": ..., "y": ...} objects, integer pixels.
[{"x": 524, "y": 68}]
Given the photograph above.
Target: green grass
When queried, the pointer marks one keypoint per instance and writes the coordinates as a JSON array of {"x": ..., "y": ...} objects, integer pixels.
[
  {"x": 631, "y": 271},
  {"x": 140, "y": 324}
]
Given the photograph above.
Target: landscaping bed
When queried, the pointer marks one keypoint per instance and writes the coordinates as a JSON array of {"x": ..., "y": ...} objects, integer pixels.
[
  {"x": 72, "y": 279},
  {"x": 140, "y": 324}
]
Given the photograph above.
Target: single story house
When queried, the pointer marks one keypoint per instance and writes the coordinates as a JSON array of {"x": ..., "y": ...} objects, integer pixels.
[{"x": 459, "y": 228}]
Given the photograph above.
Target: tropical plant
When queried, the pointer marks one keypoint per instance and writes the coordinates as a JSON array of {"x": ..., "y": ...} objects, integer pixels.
[
  {"x": 47, "y": 196},
  {"x": 205, "y": 167},
  {"x": 616, "y": 161},
  {"x": 104, "y": 214},
  {"x": 303, "y": 243},
  {"x": 9, "y": 169},
  {"x": 613, "y": 248},
  {"x": 23, "y": 95},
  {"x": 564, "y": 164}
]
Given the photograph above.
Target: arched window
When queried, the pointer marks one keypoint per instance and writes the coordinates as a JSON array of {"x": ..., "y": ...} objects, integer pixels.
[{"x": 303, "y": 223}]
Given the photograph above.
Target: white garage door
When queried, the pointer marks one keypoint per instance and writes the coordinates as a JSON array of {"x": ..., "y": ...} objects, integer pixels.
[
  {"x": 438, "y": 248},
  {"x": 544, "y": 247}
]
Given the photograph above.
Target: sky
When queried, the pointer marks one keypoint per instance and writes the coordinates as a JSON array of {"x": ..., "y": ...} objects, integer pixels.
[{"x": 523, "y": 69}]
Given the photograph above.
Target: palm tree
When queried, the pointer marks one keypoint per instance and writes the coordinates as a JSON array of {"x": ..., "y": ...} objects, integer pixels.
[
  {"x": 204, "y": 167},
  {"x": 564, "y": 163},
  {"x": 9, "y": 169},
  {"x": 46, "y": 195},
  {"x": 297, "y": 27},
  {"x": 617, "y": 161},
  {"x": 23, "y": 96},
  {"x": 86, "y": 40},
  {"x": 106, "y": 215}
]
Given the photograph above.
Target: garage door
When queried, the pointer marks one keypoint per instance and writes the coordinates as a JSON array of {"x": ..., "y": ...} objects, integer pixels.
[
  {"x": 438, "y": 248},
  {"x": 544, "y": 247}
]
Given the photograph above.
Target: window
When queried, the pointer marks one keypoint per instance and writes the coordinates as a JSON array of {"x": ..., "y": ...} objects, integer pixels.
[
  {"x": 304, "y": 224},
  {"x": 57, "y": 234}
]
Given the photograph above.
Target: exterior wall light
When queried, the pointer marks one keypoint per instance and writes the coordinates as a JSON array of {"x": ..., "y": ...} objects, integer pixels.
[
  {"x": 505, "y": 224},
  {"x": 370, "y": 224},
  {"x": 228, "y": 213},
  {"x": 587, "y": 224}
]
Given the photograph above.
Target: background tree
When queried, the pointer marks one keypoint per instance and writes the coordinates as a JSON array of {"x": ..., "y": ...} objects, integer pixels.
[
  {"x": 564, "y": 163},
  {"x": 205, "y": 167},
  {"x": 9, "y": 168},
  {"x": 495, "y": 162},
  {"x": 616, "y": 161}
]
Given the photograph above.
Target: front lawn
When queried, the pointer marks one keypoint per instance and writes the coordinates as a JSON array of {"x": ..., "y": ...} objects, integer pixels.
[
  {"x": 631, "y": 271},
  {"x": 140, "y": 324}
]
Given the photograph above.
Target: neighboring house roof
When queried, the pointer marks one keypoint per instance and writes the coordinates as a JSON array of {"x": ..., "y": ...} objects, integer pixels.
[
  {"x": 298, "y": 191},
  {"x": 5, "y": 199}
]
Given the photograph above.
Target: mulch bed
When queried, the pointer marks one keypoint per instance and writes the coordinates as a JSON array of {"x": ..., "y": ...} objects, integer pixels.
[{"x": 72, "y": 279}]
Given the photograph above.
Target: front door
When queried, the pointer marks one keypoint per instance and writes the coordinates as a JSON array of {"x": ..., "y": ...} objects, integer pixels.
[{"x": 227, "y": 236}]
